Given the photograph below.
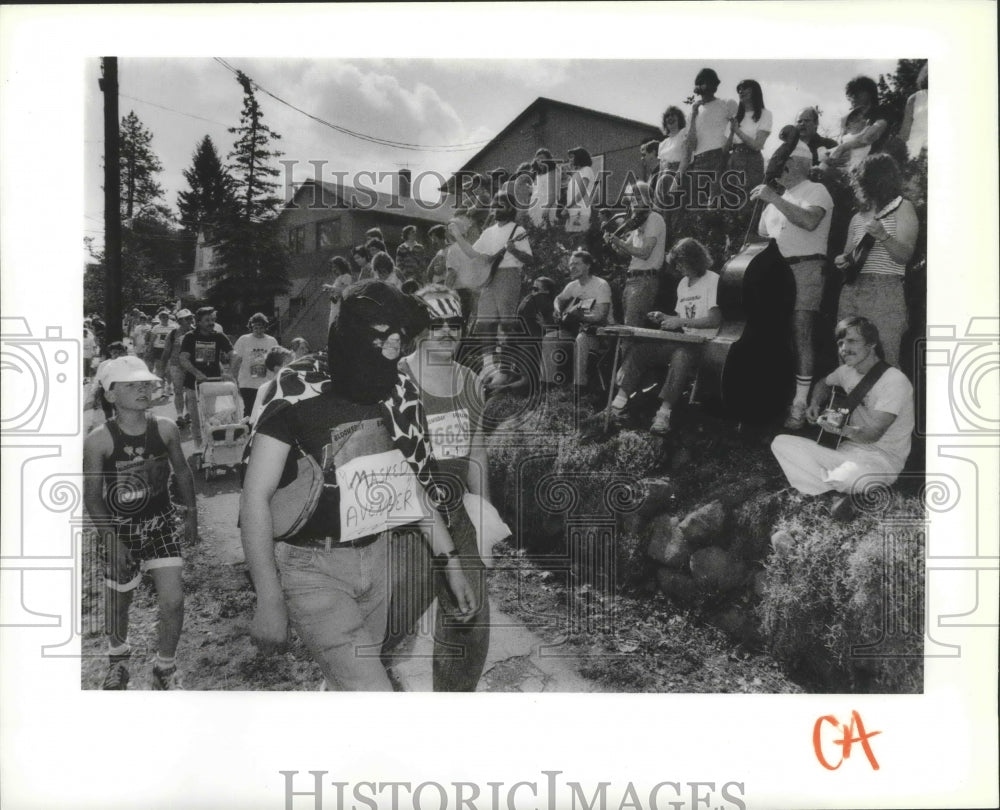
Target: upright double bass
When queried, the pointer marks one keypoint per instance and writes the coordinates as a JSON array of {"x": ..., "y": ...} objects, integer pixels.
[{"x": 751, "y": 360}]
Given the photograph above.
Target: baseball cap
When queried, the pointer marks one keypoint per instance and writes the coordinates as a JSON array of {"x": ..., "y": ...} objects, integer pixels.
[
  {"x": 442, "y": 303},
  {"x": 124, "y": 369},
  {"x": 184, "y": 313}
]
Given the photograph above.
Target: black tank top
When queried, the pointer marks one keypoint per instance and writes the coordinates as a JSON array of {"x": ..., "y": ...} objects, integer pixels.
[{"x": 137, "y": 473}]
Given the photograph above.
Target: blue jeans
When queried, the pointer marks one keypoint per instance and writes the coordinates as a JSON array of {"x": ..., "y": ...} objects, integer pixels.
[
  {"x": 337, "y": 602},
  {"x": 459, "y": 649}
]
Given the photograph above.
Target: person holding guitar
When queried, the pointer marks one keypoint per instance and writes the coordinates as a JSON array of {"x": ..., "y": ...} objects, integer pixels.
[
  {"x": 799, "y": 221},
  {"x": 505, "y": 249},
  {"x": 583, "y": 305},
  {"x": 881, "y": 240},
  {"x": 873, "y": 438}
]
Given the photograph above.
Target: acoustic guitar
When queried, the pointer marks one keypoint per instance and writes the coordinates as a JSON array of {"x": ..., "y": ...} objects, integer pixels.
[
  {"x": 473, "y": 273},
  {"x": 837, "y": 413}
]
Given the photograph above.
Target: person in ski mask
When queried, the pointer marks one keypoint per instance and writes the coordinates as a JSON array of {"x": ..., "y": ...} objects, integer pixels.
[{"x": 364, "y": 427}]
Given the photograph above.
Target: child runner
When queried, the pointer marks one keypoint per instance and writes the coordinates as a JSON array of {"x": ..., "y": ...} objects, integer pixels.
[{"x": 126, "y": 464}]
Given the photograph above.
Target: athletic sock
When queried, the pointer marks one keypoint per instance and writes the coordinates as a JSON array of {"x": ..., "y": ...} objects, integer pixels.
[
  {"x": 802, "y": 385},
  {"x": 620, "y": 400},
  {"x": 118, "y": 654},
  {"x": 163, "y": 664}
]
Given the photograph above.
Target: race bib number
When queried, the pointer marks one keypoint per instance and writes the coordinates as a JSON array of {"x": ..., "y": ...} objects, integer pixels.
[
  {"x": 377, "y": 492},
  {"x": 451, "y": 433},
  {"x": 160, "y": 340},
  {"x": 257, "y": 368},
  {"x": 204, "y": 352}
]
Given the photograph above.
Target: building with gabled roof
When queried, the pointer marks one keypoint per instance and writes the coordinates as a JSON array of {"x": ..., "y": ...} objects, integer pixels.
[
  {"x": 613, "y": 142},
  {"x": 323, "y": 220}
]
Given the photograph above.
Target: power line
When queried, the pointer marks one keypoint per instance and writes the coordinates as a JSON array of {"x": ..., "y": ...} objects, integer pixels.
[
  {"x": 461, "y": 147},
  {"x": 171, "y": 109}
]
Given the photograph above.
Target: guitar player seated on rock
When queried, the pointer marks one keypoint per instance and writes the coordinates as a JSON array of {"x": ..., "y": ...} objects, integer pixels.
[
  {"x": 874, "y": 441},
  {"x": 582, "y": 306},
  {"x": 697, "y": 314}
]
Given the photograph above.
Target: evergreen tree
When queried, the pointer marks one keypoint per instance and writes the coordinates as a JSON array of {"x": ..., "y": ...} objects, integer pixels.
[
  {"x": 141, "y": 283},
  {"x": 141, "y": 195},
  {"x": 895, "y": 88},
  {"x": 252, "y": 259},
  {"x": 209, "y": 201},
  {"x": 251, "y": 158}
]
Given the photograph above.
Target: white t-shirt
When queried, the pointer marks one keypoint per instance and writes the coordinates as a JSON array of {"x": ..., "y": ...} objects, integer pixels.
[
  {"x": 495, "y": 237},
  {"x": 541, "y": 191},
  {"x": 139, "y": 335},
  {"x": 793, "y": 240},
  {"x": 695, "y": 299},
  {"x": 712, "y": 127},
  {"x": 751, "y": 127},
  {"x": 891, "y": 394},
  {"x": 653, "y": 226},
  {"x": 252, "y": 352},
  {"x": 596, "y": 291},
  {"x": 578, "y": 199},
  {"x": 918, "y": 128},
  {"x": 672, "y": 149}
]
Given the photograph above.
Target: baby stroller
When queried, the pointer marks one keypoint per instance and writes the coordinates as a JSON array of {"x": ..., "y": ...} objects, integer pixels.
[{"x": 224, "y": 432}]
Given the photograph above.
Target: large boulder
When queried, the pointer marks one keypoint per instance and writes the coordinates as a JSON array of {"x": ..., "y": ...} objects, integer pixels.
[
  {"x": 659, "y": 497},
  {"x": 667, "y": 545},
  {"x": 703, "y": 526},
  {"x": 677, "y": 586},
  {"x": 715, "y": 569}
]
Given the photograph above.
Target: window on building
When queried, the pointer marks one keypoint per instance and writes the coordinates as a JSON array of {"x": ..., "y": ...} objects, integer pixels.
[
  {"x": 295, "y": 306},
  {"x": 327, "y": 234},
  {"x": 297, "y": 239},
  {"x": 186, "y": 285}
]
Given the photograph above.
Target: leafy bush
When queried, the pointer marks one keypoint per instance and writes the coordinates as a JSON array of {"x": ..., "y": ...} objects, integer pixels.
[
  {"x": 563, "y": 490},
  {"x": 840, "y": 594}
]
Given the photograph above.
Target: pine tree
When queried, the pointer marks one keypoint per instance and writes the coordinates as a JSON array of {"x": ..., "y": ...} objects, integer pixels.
[
  {"x": 252, "y": 259},
  {"x": 895, "y": 88},
  {"x": 209, "y": 201},
  {"x": 141, "y": 195},
  {"x": 251, "y": 154}
]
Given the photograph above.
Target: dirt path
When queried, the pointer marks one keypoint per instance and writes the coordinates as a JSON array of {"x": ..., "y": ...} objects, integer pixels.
[{"x": 215, "y": 650}]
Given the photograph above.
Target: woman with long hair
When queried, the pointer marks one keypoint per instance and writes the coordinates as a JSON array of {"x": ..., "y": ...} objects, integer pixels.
[
  {"x": 672, "y": 153},
  {"x": 864, "y": 129},
  {"x": 891, "y": 225},
  {"x": 750, "y": 130},
  {"x": 544, "y": 192},
  {"x": 579, "y": 190}
]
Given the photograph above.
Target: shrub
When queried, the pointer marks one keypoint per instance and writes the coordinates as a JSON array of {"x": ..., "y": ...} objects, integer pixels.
[
  {"x": 843, "y": 592},
  {"x": 569, "y": 495}
]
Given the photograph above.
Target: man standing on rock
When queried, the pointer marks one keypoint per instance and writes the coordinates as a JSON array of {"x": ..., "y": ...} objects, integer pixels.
[{"x": 799, "y": 221}]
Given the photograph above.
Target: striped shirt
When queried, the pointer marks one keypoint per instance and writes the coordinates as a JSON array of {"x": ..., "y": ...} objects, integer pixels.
[{"x": 878, "y": 261}]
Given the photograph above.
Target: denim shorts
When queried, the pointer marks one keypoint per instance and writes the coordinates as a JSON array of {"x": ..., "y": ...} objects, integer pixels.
[{"x": 337, "y": 603}]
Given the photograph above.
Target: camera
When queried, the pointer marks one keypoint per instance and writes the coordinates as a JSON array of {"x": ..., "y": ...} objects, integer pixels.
[{"x": 41, "y": 381}]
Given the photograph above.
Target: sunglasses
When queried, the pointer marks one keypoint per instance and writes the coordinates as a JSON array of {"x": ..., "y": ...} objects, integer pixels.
[{"x": 446, "y": 323}]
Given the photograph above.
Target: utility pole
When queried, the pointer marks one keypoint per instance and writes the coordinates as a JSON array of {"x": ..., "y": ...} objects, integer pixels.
[{"x": 112, "y": 203}]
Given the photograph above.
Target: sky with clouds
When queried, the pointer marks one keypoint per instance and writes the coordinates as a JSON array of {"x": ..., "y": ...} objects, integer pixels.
[{"x": 429, "y": 102}]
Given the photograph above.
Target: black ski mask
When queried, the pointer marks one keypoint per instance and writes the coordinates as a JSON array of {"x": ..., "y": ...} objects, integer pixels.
[{"x": 366, "y": 341}]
